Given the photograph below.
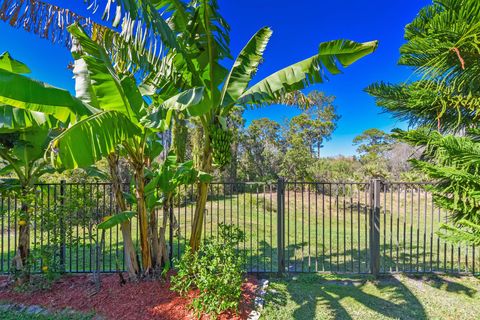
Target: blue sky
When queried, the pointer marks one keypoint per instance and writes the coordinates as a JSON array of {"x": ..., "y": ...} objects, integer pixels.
[{"x": 298, "y": 27}]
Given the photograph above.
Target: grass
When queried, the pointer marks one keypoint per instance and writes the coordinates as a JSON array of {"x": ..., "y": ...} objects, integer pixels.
[
  {"x": 326, "y": 230},
  {"x": 316, "y": 296},
  {"x": 10, "y": 314}
]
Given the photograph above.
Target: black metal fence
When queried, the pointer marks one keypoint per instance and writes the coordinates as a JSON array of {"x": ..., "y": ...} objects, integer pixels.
[{"x": 371, "y": 227}]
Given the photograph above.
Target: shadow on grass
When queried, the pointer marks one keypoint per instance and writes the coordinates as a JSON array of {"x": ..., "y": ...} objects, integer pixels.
[
  {"x": 445, "y": 283},
  {"x": 314, "y": 290}
]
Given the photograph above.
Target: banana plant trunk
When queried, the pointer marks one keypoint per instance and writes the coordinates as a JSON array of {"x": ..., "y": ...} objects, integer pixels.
[
  {"x": 131, "y": 261},
  {"x": 155, "y": 241},
  {"x": 23, "y": 249},
  {"x": 202, "y": 195},
  {"x": 159, "y": 250},
  {"x": 142, "y": 218}
]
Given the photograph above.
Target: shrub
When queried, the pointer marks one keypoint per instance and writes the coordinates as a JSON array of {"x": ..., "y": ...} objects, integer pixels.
[{"x": 216, "y": 270}]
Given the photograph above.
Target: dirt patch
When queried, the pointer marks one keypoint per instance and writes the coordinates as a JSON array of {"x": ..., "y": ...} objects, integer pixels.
[{"x": 143, "y": 300}]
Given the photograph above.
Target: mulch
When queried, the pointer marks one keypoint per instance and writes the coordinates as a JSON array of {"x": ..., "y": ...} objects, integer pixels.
[{"x": 144, "y": 300}]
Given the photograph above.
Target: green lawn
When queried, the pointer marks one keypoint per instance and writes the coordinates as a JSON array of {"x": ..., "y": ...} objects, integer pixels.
[
  {"x": 316, "y": 296},
  {"x": 11, "y": 314}
]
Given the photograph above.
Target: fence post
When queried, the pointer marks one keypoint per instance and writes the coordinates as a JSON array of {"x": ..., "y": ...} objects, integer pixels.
[
  {"x": 62, "y": 225},
  {"x": 281, "y": 225},
  {"x": 170, "y": 233},
  {"x": 374, "y": 227}
]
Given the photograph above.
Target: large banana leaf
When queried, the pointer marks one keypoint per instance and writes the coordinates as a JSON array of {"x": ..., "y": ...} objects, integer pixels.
[
  {"x": 192, "y": 102},
  {"x": 245, "y": 66},
  {"x": 119, "y": 218},
  {"x": 14, "y": 119},
  {"x": 104, "y": 81},
  {"x": 91, "y": 139},
  {"x": 306, "y": 72},
  {"x": 31, "y": 145},
  {"x": 12, "y": 65},
  {"x": 22, "y": 92}
]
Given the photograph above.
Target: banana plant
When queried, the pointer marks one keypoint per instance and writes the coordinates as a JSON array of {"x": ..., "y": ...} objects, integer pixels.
[
  {"x": 119, "y": 127},
  {"x": 115, "y": 128},
  {"x": 206, "y": 37},
  {"x": 31, "y": 114},
  {"x": 165, "y": 181},
  {"x": 197, "y": 37}
]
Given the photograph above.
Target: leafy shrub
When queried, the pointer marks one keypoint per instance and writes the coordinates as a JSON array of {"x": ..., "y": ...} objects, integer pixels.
[{"x": 216, "y": 270}]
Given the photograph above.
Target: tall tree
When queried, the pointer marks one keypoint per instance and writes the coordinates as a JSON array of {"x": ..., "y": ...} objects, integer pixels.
[
  {"x": 322, "y": 120},
  {"x": 299, "y": 152},
  {"x": 261, "y": 150},
  {"x": 442, "y": 46},
  {"x": 373, "y": 145}
]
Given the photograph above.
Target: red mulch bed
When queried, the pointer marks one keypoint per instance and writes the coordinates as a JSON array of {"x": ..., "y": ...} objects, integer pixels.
[{"x": 142, "y": 301}]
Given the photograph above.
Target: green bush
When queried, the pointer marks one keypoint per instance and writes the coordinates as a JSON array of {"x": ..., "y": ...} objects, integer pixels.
[{"x": 217, "y": 270}]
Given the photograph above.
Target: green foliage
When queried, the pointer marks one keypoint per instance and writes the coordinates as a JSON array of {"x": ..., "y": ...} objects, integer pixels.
[
  {"x": 94, "y": 138},
  {"x": 260, "y": 149},
  {"x": 464, "y": 231},
  {"x": 373, "y": 145},
  {"x": 216, "y": 270},
  {"x": 301, "y": 74},
  {"x": 115, "y": 220},
  {"x": 372, "y": 141},
  {"x": 7, "y": 62},
  {"x": 335, "y": 169},
  {"x": 453, "y": 163},
  {"x": 442, "y": 45},
  {"x": 290, "y": 149},
  {"x": 56, "y": 221},
  {"x": 22, "y": 92},
  {"x": 421, "y": 105}
]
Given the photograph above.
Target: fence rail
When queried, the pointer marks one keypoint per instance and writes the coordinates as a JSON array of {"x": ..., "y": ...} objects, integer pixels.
[{"x": 369, "y": 227}]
